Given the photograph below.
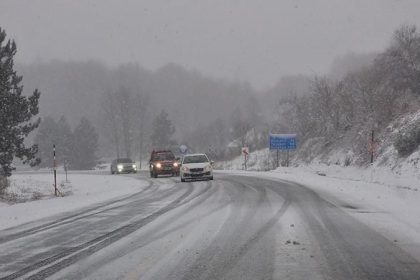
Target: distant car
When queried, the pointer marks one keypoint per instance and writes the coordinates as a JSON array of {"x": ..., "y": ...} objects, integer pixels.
[
  {"x": 163, "y": 162},
  {"x": 196, "y": 166},
  {"x": 123, "y": 165}
]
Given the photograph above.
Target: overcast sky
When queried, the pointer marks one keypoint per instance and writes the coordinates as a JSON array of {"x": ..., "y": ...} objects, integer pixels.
[{"x": 243, "y": 40}]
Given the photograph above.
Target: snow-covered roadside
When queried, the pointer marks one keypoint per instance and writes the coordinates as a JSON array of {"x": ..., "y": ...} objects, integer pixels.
[
  {"x": 385, "y": 202},
  {"x": 81, "y": 190}
]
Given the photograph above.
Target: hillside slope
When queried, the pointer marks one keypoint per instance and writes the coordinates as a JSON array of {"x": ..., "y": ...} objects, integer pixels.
[{"x": 320, "y": 155}]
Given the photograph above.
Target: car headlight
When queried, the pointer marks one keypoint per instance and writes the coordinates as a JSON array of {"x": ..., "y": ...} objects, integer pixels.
[
  {"x": 207, "y": 168},
  {"x": 158, "y": 165},
  {"x": 120, "y": 166},
  {"x": 184, "y": 168},
  {"x": 134, "y": 166},
  {"x": 175, "y": 164}
]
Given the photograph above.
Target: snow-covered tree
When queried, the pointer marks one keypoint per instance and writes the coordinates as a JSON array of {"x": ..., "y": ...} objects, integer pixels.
[
  {"x": 16, "y": 112},
  {"x": 162, "y": 131},
  {"x": 400, "y": 63},
  {"x": 123, "y": 116},
  {"x": 110, "y": 120},
  {"x": 141, "y": 103},
  {"x": 52, "y": 133},
  {"x": 125, "y": 105},
  {"x": 239, "y": 127},
  {"x": 45, "y": 139},
  {"x": 65, "y": 145},
  {"x": 84, "y": 147}
]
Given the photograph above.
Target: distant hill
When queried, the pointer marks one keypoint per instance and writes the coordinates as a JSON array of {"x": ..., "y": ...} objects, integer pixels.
[{"x": 74, "y": 89}]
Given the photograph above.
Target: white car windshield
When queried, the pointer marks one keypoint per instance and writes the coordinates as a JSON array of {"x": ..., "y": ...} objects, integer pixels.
[{"x": 195, "y": 159}]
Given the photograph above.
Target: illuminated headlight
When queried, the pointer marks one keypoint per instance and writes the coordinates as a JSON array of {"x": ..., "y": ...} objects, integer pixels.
[
  {"x": 134, "y": 166},
  {"x": 175, "y": 164},
  {"x": 207, "y": 168},
  {"x": 184, "y": 168},
  {"x": 120, "y": 166},
  {"x": 158, "y": 165}
]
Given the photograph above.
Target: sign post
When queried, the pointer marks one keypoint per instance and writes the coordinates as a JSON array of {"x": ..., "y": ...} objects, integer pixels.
[
  {"x": 245, "y": 152},
  {"x": 282, "y": 142}
]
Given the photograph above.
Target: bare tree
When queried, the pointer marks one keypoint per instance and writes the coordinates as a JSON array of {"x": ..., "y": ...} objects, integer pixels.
[
  {"x": 111, "y": 120},
  {"x": 126, "y": 108},
  {"x": 141, "y": 104},
  {"x": 239, "y": 127}
]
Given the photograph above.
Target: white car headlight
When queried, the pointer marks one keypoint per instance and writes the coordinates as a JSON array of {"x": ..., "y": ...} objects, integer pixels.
[
  {"x": 158, "y": 165},
  {"x": 175, "y": 164},
  {"x": 134, "y": 166},
  {"x": 120, "y": 166},
  {"x": 184, "y": 168}
]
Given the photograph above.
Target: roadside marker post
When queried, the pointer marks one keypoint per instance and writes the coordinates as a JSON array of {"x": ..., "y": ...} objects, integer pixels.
[
  {"x": 245, "y": 152},
  {"x": 65, "y": 168},
  {"x": 372, "y": 146},
  {"x": 55, "y": 172}
]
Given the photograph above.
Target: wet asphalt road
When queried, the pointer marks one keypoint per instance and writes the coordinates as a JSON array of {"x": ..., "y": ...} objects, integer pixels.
[{"x": 234, "y": 227}]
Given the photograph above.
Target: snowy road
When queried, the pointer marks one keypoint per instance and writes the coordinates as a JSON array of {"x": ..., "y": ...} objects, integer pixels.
[{"x": 231, "y": 228}]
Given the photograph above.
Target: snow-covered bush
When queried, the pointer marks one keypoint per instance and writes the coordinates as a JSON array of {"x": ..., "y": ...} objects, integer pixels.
[
  {"x": 4, "y": 184},
  {"x": 408, "y": 140},
  {"x": 347, "y": 160}
]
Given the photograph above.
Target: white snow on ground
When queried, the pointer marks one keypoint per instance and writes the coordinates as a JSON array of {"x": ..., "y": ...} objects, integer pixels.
[
  {"x": 386, "y": 201},
  {"x": 81, "y": 190},
  {"x": 384, "y": 198}
]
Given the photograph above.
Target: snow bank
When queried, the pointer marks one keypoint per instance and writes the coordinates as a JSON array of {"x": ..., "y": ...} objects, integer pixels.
[
  {"x": 81, "y": 190},
  {"x": 386, "y": 201}
]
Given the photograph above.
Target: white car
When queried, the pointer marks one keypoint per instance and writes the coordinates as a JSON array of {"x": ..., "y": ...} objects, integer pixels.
[{"x": 196, "y": 166}]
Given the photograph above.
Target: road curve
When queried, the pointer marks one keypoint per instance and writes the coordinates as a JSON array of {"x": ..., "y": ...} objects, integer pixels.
[{"x": 234, "y": 227}]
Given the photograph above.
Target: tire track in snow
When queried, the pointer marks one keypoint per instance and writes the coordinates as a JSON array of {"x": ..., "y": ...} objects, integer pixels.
[{"x": 72, "y": 255}]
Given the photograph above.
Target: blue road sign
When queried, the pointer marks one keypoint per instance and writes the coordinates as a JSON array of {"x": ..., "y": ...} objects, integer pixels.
[{"x": 282, "y": 141}]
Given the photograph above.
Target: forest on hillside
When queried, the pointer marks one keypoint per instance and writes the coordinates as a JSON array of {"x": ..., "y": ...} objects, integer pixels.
[{"x": 363, "y": 92}]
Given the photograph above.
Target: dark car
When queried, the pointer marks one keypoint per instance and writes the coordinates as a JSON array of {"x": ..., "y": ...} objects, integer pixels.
[
  {"x": 163, "y": 162},
  {"x": 123, "y": 165}
]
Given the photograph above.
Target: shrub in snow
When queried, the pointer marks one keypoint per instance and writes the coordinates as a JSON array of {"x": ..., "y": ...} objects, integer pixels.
[
  {"x": 4, "y": 184},
  {"x": 36, "y": 195},
  {"x": 347, "y": 160},
  {"x": 408, "y": 140}
]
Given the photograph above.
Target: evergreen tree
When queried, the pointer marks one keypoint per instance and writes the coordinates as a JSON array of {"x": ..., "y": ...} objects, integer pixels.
[
  {"x": 65, "y": 141},
  {"x": 16, "y": 112},
  {"x": 85, "y": 146},
  {"x": 45, "y": 138},
  {"x": 52, "y": 133},
  {"x": 162, "y": 131}
]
